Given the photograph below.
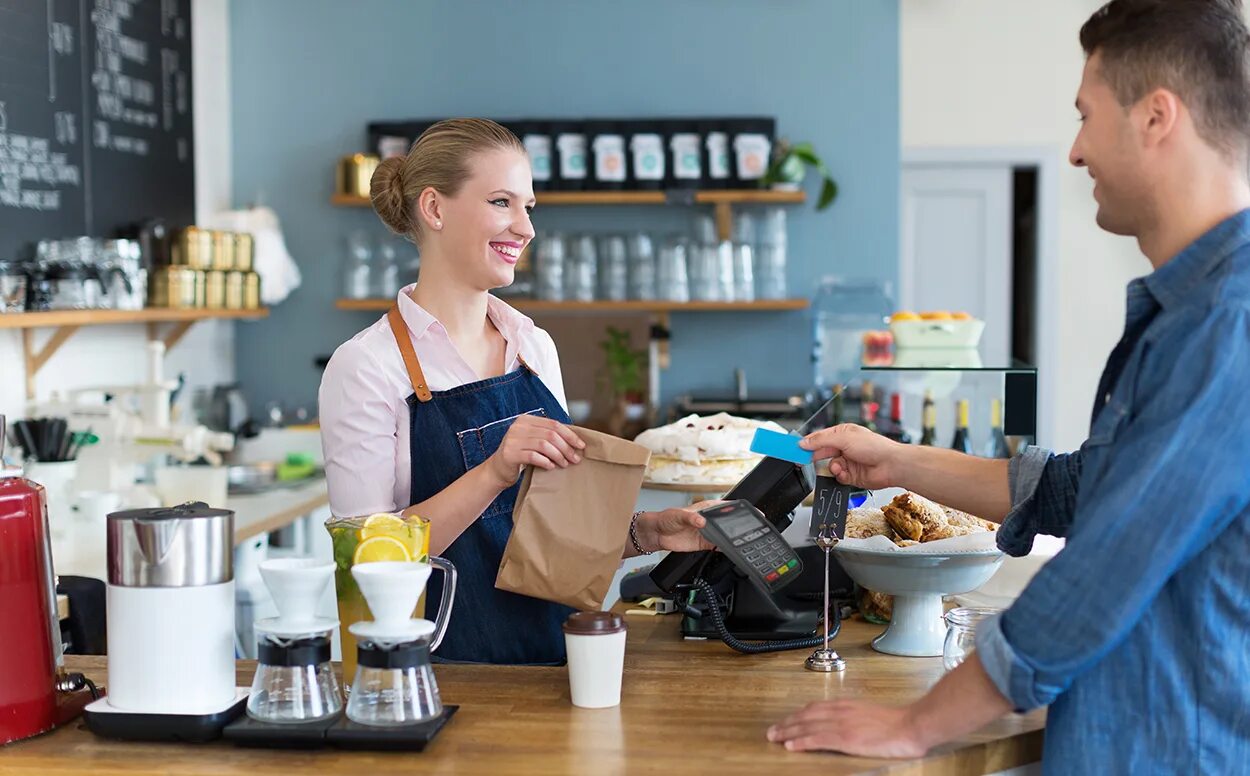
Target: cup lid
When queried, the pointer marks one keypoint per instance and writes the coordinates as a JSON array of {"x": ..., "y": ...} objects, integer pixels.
[{"x": 594, "y": 623}]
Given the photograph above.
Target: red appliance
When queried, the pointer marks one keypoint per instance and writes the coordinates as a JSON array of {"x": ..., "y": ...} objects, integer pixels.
[{"x": 30, "y": 650}]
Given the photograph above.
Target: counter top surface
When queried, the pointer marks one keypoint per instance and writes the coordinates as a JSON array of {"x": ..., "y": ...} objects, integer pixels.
[
  {"x": 687, "y": 707},
  {"x": 82, "y": 550}
]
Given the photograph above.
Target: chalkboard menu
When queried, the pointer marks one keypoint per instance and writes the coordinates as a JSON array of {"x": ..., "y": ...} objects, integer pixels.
[{"x": 95, "y": 117}]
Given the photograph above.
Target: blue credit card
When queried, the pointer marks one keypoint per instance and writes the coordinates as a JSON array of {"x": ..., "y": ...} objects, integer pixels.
[{"x": 782, "y": 446}]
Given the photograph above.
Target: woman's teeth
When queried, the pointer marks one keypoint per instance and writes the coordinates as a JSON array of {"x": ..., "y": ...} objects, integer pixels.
[{"x": 507, "y": 250}]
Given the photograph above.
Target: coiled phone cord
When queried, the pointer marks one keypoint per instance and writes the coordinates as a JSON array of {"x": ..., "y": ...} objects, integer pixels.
[{"x": 758, "y": 647}]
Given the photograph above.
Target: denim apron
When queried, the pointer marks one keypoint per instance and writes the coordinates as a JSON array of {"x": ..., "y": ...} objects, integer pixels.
[{"x": 449, "y": 433}]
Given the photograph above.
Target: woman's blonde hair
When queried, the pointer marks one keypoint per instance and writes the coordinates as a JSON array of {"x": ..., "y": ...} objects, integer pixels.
[{"x": 439, "y": 159}]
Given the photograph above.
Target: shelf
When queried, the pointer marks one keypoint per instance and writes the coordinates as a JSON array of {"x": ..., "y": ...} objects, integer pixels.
[
  {"x": 669, "y": 197},
  {"x": 57, "y": 318},
  {"x": 540, "y": 306},
  {"x": 66, "y": 322}
]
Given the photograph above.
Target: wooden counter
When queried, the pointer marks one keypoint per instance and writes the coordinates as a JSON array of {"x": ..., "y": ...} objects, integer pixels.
[{"x": 687, "y": 708}]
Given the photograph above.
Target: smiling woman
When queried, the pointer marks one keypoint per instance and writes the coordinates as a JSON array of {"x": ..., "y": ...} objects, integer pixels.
[{"x": 435, "y": 408}]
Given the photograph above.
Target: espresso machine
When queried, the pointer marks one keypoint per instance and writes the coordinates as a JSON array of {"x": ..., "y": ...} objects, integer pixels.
[{"x": 36, "y": 694}]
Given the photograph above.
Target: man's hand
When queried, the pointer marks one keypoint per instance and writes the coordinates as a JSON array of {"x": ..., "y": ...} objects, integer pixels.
[
  {"x": 676, "y": 530},
  {"x": 856, "y": 455},
  {"x": 851, "y": 727}
]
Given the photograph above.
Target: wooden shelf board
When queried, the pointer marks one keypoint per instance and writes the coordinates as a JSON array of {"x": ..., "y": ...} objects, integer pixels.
[
  {"x": 707, "y": 197},
  {"x": 539, "y": 306},
  {"x": 56, "y": 318}
]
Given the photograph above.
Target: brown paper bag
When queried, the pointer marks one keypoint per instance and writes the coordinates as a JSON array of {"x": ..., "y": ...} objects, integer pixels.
[{"x": 570, "y": 526}]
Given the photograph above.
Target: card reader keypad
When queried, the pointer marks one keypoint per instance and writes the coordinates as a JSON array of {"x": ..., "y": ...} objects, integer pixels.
[{"x": 772, "y": 557}]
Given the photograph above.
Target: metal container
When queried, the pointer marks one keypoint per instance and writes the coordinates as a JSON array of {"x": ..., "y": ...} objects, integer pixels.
[
  {"x": 244, "y": 251},
  {"x": 173, "y": 287},
  {"x": 215, "y": 290},
  {"x": 251, "y": 291},
  {"x": 192, "y": 247},
  {"x": 223, "y": 250},
  {"x": 234, "y": 290},
  {"x": 184, "y": 546},
  {"x": 354, "y": 173}
]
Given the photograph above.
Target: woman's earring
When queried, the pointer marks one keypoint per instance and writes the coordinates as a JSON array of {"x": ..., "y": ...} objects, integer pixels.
[{"x": 438, "y": 224}]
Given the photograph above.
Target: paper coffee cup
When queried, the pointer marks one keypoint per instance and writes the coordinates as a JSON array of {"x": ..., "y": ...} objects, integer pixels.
[{"x": 596, "y": 649}]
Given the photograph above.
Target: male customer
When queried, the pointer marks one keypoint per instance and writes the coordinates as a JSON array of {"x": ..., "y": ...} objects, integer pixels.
[{"x": 1137, "y": 635}]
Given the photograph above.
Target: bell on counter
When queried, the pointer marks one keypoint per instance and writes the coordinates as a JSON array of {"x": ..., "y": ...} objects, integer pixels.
[
  {"x": 170, "y": 625},
  {"x": 394, "y": 682},
  {"x": 294, "y": 681}
]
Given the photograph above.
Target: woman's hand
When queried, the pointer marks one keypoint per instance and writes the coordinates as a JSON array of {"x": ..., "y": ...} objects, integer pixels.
[
  {"x": 852, "y": 727},
  {"x": 534, "y": 441},
  {"x": 856, "y": 455},
  {"x": 676, "y": 530}
]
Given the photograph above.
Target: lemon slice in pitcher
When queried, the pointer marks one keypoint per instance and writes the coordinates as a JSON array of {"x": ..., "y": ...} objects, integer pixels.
[
  {"x": 381, "y": 548},
  {"x": 384, "y": 524}
]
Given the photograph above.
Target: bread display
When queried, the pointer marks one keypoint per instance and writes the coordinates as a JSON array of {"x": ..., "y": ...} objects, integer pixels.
[{"x": 908, "y": 520}]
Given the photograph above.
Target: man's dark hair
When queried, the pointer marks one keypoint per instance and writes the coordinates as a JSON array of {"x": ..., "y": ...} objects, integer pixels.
[{"x": 1197, "y": 49}]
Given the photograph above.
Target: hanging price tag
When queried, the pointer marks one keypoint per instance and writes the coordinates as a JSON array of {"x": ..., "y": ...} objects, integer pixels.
[{"x": 831, "y": 499}]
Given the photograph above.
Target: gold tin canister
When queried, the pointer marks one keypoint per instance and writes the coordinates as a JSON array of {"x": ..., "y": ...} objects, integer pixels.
[
  {"x": 192, "y": 247},
  {"x": 355, "y": 171},
  {"x": 201, "y": 288},
  {"x": 223, "y": 250},
  {"x": 215, "y": 290},
  {"x": 174, "y": 287},
  {"x": 234, "y": 290},
  {"x": 244, "y": 251},
  {"x": 251, "y": 291}
]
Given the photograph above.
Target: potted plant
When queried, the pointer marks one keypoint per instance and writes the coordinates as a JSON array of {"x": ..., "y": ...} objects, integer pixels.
[
  {"x": 790, "y": 164},
  {"x": 624, "y": 376}
]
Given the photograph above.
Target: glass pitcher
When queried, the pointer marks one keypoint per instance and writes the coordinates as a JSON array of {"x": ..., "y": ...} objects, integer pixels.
[{"x": 380, "y": 537}]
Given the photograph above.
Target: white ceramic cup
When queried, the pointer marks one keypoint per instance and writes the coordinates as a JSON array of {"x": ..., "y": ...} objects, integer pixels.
[
  {"x": 296, "y": 585},
  {"x": 596, "y": 649},
  {"x": 93, "y": 506},
  {"x": 391, "y": 588}
]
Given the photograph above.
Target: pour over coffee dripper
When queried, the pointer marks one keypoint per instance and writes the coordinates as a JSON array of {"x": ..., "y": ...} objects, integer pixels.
[
  {"x": 294, "y": 681},
  {"x": 394, "y": 682}
]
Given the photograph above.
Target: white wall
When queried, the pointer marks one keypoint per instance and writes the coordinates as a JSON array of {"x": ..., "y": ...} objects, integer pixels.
[
  {"x": 115, "y": 354},
  {"x": 1005, "y": 73}
]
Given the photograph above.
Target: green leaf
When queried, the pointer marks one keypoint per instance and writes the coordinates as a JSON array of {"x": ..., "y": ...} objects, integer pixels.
[
  {"x": 828, "y": 192},
  {"x": 809, "y": 156}
]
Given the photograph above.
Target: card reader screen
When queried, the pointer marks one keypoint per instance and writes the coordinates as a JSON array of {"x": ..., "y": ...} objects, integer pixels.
[{"x": 738, "y": 525}]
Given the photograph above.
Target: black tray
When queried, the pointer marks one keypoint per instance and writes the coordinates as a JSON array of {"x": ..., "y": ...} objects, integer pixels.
[
  {"x": 339, "y": 732},
  {"x": 186, "y": 728}
]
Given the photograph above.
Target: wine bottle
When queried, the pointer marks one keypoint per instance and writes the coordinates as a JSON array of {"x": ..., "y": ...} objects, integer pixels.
[
  {"x": 894, "y": 427},
  {"x": 928, "y": 435},
  {"x": 997, "y": 447},
  {"x": 962, "y": 441}
]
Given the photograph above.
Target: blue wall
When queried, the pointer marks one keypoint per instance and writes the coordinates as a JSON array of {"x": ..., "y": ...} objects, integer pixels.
[{"x": 308, "y": 74}]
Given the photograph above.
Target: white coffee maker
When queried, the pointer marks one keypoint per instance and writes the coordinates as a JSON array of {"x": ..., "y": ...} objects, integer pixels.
[{"x": 170, "y": 604}]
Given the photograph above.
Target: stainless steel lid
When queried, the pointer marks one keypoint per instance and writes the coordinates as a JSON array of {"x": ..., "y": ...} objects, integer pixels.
[{"x": 189, "y": 545}]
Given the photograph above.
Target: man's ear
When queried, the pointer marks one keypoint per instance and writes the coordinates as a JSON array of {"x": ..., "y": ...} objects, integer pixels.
[{"x": 1158, "y": 114}]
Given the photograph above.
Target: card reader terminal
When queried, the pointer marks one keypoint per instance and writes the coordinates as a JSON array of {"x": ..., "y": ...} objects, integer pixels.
[{"x": 741, "y": 533}]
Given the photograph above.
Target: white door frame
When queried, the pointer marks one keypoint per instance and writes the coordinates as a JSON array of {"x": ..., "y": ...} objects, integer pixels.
[{"x": 1046, "y": 160}]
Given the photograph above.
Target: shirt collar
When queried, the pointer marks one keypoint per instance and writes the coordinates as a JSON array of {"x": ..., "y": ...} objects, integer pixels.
[
  {"x": 510, "y": 322},
  {"x": 1172, "y": 283}
]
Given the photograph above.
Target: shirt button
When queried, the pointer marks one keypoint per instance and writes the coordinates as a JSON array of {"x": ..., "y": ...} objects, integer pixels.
[{"x": 1106, "y": 399}]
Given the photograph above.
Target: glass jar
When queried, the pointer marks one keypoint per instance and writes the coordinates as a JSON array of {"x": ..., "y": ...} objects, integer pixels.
[
  {"x": 357, "y": 267},
  {"x": 385, "y": 278},
  {"x": 672, "y": 283},
  {"x": 549, "y": 272},
  {"x": 641, "y": 268},
  {"x": 961, "y": 631},
  {"x": 12, "y": 288},
  {"x": 580, "y": 270},
  {"x": 613, "y": 269}
]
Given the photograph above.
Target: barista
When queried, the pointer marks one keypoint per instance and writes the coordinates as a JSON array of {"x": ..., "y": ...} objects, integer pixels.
[{"x": 436, "y": 408}]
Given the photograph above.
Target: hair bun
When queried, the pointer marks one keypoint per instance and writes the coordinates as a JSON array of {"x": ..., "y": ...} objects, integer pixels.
[{"x": 386, "y": 191}]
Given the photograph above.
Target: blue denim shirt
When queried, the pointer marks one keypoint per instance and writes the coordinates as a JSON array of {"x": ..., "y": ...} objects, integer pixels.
[{"x": 1137, "y": 634}]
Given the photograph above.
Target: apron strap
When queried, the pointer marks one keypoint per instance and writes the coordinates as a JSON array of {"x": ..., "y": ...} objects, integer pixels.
[{"x": 411, "y": 362}]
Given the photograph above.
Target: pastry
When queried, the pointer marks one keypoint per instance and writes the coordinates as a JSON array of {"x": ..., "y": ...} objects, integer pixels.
[
  {"x": 863, "y": 522},
  {"x": 919, "y": 519},
  {"x": 703, "y": 450}
]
